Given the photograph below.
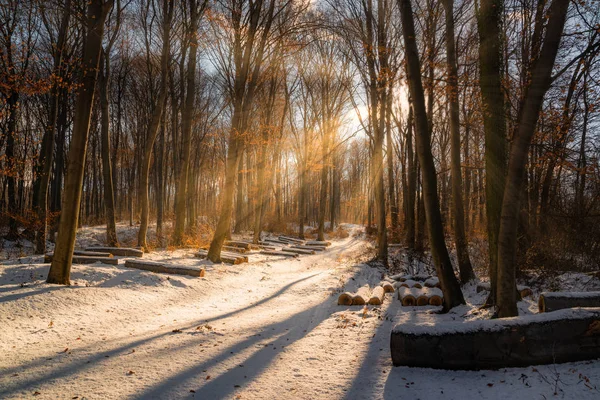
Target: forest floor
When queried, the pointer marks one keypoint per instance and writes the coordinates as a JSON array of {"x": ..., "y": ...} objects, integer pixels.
[{"x": 269, "y": 329}]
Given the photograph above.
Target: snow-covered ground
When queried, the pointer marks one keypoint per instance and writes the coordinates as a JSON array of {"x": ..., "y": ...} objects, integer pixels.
[{"x": 269, "y": 329}]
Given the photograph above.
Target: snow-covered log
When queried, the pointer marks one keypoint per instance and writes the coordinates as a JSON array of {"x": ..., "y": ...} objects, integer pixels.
[
  {"x": 432, "y": 282},
  {"x": 552, "y": 301},
  {"x": 387, "y": 287},
  {"x": 234, "y": 249},
  {"x": 562, "y": 336},
  {"x": 524, "y": 291},
  {"x": 361, "y": 296},
  {"x": 291, "y": 239},
  {"x": 164, "y": 268},
  {"x": 118, "y": 251},
  {"x": 318, "y": 243},
  {"x": 91, "y": 253},
  {"x": 304, "y": 247},
  {"x": 411, "y": 284},
  {"x": 240, "y": 244},
  {"x": 407, "y": 296},
  {"x": 435, "y": 295},
  {"x": 345, "y": 299},
  {"x": 278, "y": 253},
  {"x": 86, "y": 259},
  {"x": 422, "y": 298},
  {"x": 377, "y": 296},
  {"x": 301, "y": 251}
]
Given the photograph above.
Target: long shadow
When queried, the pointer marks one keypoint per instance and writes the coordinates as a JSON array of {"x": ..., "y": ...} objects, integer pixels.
[
  {"x": 85, "y": 363},
  {"x": 224, "y": 384},
  {"x": 21, "y": 294}
]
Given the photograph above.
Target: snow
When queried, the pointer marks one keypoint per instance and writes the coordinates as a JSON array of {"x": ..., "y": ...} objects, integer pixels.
[
  {"x": 574, "y": 295},
  {"x": 267, "y": 329}
]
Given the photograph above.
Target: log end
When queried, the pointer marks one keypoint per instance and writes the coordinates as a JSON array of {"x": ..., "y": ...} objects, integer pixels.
[{"x": 345, "y": 299}]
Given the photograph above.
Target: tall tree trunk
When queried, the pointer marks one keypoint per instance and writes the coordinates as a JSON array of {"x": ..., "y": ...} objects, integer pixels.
[
  {"x": 411, "y": 182},
  {"x": 183, "y": 181},
  {"x": 458, "y": 212},
  {"x": 490, "y": 80},
  {"x": 109, "y": 198},
  {"x": 154, "y": 124},
  {"x": 450, "y": 286},
  {"x": 45, "y": 160},
  {"x": 541, "y": 78},
  {"x": 60, "y": 270}
]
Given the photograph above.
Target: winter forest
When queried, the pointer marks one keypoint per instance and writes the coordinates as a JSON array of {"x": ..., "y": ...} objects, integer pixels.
[{"x": 299, "y": 199}]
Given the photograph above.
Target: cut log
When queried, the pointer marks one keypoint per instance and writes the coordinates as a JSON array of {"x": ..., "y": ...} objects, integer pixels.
[
  {"x": 361, "y": 296},
  {"x": 240, "y": 244},
  {"x": 300, "y": 251},
  {"x": 407, "y": 296},
  {"x": 291, "y": 239},
  {"x": 401, "y": 277},
  {"x": 435, "y": 295},
  {"x": 523, "y": 290},
  {"x": 395, "y": 245},
  {"x": 318, "y": 243},
  {"x": 265, "y": 247},
  {"x": 422, "y": 298},
  {"x": 377, "y": 296},
  {"x": 86, "y": 259},
  {"x": 164, "y": 268},
  {"x": 411, "y": 284},
  {"x": 278, "y": 253},
  {"x": 229, "y": 259},
  {"x": 432, "y": 282},
  {"x": 91, "y": 253},
  {"x": 118, "y": 251},
  {"x": 234, "y": 249},
  {"x": 557, "y": 337},
  {"x": 274, "y": 241},
  {"x": 314, "y": 248},
  {"x": 345, "y": 299},
  {"x": 552, "y": 301},
  {"x": 387, "y": 287}
]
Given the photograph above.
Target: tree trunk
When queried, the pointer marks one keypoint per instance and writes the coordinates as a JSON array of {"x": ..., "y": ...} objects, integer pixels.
[
  {"x": 490, "y": 80},
  {"x": 450, "y": 286},
  {"x": 528, "y": 116},
  {"x": 154, "y": 124},
  {"x": 458, "y": 212},
  {"x": 60, "y": 269}
]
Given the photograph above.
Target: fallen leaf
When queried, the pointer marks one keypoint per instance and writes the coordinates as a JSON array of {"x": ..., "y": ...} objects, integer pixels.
[
  {"x": 490, "y": 384},
  {"x": 130, "y": 372},
  {"x": 192, "y": 391},
  {"x": 207, "y": 377},
  {"x": 65, "y": 350},
  {"x": 176, "y": 331},
  {"x": 36, "y": 393}
]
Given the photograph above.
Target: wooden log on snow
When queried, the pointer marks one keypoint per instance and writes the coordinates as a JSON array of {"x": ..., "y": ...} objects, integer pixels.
[
  {"x": 269, "y": 241},
  {"x": 86, "y": 259},
  {"x": 422, "y": 298},
  {"x": 523, "y": 290},
  {"x": 164, "y": 268},
  {"x": 301, "y": 251},
  {"x": 291, "y": 239},
  {"x": 387, "y": 287},
  {"x": 234, "y": 249},
  {"x": 278, "y": 253},
  {"x": 407, "y": 296},
  {"x": 435, "y": 295},
  {"x": 318, "y": 243},
  {"x": 557, "y": 337},
  {"x": 226, "y": 258},
  {"x": 400, "y": 277},
  {"x": 552, "y": 301},
  {"x": 432, "y": 282},
  {"x": 303, "y": 247},
  {"x": 377, "y": 296},
  {"x": 236, "y": 243},
  {"x": 345, "y": 299},
  {"x": 91, "y": 253},
  {"x": 411, "y": 284},
  {"x": 265, "y": 247},
  {"x": 118, "y": 251},
  {"x": 361, "y": 296}
]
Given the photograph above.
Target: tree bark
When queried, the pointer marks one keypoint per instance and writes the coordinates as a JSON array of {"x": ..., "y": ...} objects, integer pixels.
[
  {"x": 541, "y": 78},
  {"x": 450, "y": 286},
  {"x": 60, "y": 269},
  {"x": 458, "y": 212}
]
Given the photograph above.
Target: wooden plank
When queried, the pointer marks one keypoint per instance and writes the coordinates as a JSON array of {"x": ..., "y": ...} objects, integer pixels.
[
  {"x": 165, "y": 268},
  {"x": 118, "y": 251},
  {"x": 291, "y": 239},
  {"x": 86, "y": 259},
  {"x": 557, "y": 337},
  {"x": 301, "y": 251},
  {"x": 236, "y": 243},
  {"x": 315, "y": 248},
  {"x": 278, "y": 253},
  {"x": 318, "y": 243},
  {"x": 91, "y": 253}
]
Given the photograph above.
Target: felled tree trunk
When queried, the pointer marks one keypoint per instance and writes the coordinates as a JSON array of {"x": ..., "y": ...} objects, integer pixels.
[{"x": 557, "y": 301}]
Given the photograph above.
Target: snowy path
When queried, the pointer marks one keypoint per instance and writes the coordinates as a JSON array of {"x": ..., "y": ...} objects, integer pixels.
[{"x": 269, "y": 329}]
